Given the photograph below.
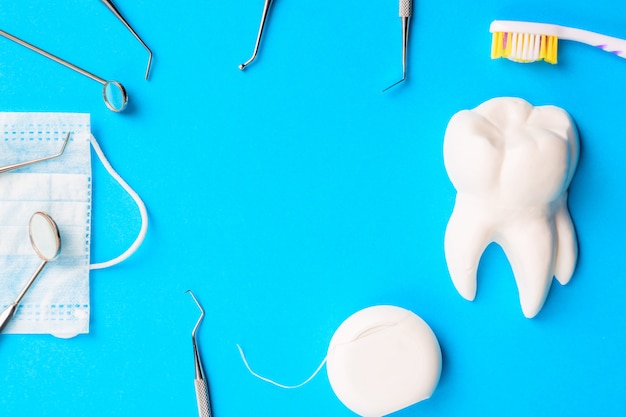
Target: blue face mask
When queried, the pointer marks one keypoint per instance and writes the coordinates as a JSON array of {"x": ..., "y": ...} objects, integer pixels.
[{"x": 58, "y": 302}]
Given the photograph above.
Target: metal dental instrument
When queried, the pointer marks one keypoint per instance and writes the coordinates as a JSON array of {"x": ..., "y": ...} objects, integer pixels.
[
  {"x": 113, "y": 93},
  {"x": 200, "y": 382},
  {"x": 405, "y": 16},
  {"x": 34, "y": 161},
  {"x": 266, "y": 9},
  {"x": 117, "y": 14},
  {"x": 46, "y": 240}
]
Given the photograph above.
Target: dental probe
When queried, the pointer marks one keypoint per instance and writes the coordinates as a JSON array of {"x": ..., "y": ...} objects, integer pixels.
[
  {"x": 405, "y": 16},
  {"x": 266, "y": 9},
  {"x": 200, "y": 382},
  {"x": 119, "y": 16},
  {"x": 18, "y": 165}
]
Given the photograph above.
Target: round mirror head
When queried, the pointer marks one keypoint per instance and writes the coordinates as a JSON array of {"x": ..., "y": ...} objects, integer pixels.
[
  {"x": 44, "y": 236},
  {"x": 115, "y": 96}
]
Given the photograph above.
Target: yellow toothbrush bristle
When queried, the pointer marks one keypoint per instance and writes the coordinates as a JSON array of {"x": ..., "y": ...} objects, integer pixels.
[
  {"x": 524, "y": 47},
  {"x": 553, "y": 43},
  {"x": 496, "y": 45}
]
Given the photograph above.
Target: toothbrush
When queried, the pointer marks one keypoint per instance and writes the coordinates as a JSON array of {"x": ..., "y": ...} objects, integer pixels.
[{"x": 529, "y": 42}]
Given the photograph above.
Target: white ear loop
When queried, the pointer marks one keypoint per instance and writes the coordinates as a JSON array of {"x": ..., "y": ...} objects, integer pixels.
[
  {"x": 143, "y": 212},
  {"x": 262, "y": 378}
]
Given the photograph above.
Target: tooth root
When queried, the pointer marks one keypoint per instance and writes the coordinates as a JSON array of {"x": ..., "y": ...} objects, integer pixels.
[
  {"x": 530, "y": 248},
  {"x": 465, "y": 240},
  {"x": 566, "y": 246}
]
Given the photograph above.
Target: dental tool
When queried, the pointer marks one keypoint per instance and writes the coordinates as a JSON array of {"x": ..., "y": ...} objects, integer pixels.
[
  {"x": 113, "y": 93},
  {"x": 405, "y": 16},
  {"x": 46, "y": 241},
  {"x": 200, "y": 382},
  {"x": 11, "y": 167},
  {"x": 266, "y": 9},
  {"x": 117, "y": 14}
]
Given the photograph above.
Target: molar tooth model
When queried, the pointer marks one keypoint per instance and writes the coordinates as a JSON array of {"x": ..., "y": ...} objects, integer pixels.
[{"x": 511, "y": 164}]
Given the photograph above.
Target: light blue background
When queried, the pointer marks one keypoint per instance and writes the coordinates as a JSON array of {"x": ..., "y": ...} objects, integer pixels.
[{"x": 293, "y": 194}]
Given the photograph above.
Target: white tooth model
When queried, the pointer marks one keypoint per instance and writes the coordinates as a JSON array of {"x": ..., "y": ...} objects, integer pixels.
[{"x": 511, "y": 164}]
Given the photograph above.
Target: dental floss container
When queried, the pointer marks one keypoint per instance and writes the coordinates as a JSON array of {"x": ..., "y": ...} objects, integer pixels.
[{"x": 383, "y": 359}]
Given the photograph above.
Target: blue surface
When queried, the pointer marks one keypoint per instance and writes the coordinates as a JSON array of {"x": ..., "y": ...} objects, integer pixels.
[{"x": 293, "y": 194}]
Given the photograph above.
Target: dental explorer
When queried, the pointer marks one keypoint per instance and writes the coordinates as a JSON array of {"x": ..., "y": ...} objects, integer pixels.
[
  {"x": 119, "y": 16},
  {"x": 46, "y": 241},
  {"x": 200, "y": 382},
  {"x": 11, "y": 167},
  {"x": 405, "y": 16},
  {"x": 266, "y": 8},
  {"x": 113, "y": 93}
]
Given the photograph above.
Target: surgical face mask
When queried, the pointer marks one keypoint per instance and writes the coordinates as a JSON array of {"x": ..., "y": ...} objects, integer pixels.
[{"x": 58, "y": 301}]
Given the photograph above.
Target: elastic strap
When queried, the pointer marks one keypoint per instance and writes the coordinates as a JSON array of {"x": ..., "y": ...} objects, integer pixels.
[
  {"x": 140, "y": 205},
  {"x": 262, "y": 378}
]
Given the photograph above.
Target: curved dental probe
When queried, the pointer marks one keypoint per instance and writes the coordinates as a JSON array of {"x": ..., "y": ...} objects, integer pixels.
[
  {"x": 200, "y": 382},
  {"x": 266, "y": 8},
  {"x": 117, "y": 14},
  {"x": 405, "y": 16},
  {"x": 34, "y": 161}
]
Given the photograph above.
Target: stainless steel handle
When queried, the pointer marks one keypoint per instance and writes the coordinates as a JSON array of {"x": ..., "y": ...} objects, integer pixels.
[
  {"x": 405, "y": 8},
  {"x": 7, "y": 315},
  {"x": 202, "y": 396}
]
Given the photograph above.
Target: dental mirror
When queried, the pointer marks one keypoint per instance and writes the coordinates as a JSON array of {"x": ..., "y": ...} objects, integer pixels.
[
  {"x": 46, "y": 241},
  {"x": 113, "y": 93},
  {"x": 44, "y": 236}
]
